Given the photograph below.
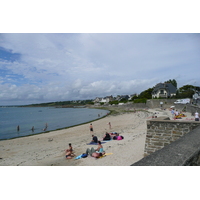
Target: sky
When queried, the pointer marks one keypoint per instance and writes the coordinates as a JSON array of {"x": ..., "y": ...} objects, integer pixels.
[
  {"x": 46, "y": 67},
  {"x": 76, "y": 50}
]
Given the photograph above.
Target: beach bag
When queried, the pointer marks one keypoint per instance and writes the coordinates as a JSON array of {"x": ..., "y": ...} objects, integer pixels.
[
  {"x": 84, "y": 155},
  {"x": 119, "y": 138}
]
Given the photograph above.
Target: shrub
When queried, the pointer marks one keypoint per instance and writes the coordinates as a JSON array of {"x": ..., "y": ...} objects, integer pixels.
[{"x": 143, "y": 100}]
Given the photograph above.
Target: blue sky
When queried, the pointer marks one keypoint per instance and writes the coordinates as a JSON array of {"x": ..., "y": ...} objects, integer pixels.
[{"x": 37, "y": 67}]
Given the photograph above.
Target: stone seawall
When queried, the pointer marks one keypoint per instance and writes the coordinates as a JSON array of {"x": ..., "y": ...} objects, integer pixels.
[
  {"x": 162, "y": 132},
  {"x": 185, "y": 151}
]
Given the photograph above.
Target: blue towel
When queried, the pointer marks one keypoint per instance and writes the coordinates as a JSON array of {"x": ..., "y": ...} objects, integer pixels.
[
  {"x": 93, "y": 143},
  {"x": 78, "y": 157}
]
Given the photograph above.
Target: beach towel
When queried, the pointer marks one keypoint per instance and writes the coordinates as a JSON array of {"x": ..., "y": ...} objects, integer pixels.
[
  {"x": 106, "y": 154},
  {"x": 83, "y": 155},
  {"x": 78, "y": 157},
  {"x": 93, "y": 143}
]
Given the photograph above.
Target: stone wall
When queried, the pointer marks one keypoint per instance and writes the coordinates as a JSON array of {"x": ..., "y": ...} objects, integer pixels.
[
  {"x": 161, "y": 132},
  {"x": 167, "y": 103},
  {"x": 155, "y": 103},
  {"x": 192, "y": 109},
  {"x": 135, "y": 105},
  {"x": 185, "y": 151}
]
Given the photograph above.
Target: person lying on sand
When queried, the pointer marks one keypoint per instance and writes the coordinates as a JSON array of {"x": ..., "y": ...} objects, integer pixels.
[{"x": 93, "y": 153}]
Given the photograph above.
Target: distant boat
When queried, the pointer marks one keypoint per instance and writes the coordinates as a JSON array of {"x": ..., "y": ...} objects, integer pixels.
[{"x": 40, "y": 111}]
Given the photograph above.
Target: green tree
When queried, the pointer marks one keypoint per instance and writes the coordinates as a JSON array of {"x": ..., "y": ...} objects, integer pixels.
[
  {"x": 147, "y": 94},
  {"x": 186, "y": 91},
  {"x": 143, "y": 100},
  {"x": 173, "y": 82},
  {"x": 186, "y": 87}
]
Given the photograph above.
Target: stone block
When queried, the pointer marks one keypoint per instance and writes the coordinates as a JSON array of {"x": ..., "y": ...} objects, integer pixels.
[
  {"x": 156, "y": 136},
  {"x": 149, "y": 136},
  {"x": 158, "y": 133},
  {"x": 168, "y": 128},
  {"x": 167, "y": 134},
  {"x": 166, "y": 143},
  {"x": 174, "y": 139},
  {"x": 177, "y": 133},
  {"x": 151, "y": 146},
  {"x": 168, "y": 138},
  {"x": 157, "y": 143},
  {"x": 187, "y": 130}
]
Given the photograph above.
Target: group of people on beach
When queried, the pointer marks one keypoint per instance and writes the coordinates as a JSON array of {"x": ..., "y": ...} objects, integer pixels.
[
  {"x": 176, "y": 113},
  {"x": 96, "y": 153},
  {"x": 99, "y": 151}
]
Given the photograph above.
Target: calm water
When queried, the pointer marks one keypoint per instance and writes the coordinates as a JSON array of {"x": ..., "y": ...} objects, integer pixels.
[{"x": 26, "y": 118}]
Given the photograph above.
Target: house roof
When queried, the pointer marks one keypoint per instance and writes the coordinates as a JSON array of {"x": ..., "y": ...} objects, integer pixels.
[{"x": 167, "y": 86}]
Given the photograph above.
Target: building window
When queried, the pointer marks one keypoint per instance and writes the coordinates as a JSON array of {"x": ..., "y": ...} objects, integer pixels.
[{"x": 161, "y": 91}]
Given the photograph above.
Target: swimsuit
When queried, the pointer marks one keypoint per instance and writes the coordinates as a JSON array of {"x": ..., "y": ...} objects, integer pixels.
[{"x": 100, "y": 150}]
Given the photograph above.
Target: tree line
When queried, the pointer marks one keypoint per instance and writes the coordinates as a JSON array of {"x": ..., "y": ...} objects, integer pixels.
[{"x": 186, "y": 91}]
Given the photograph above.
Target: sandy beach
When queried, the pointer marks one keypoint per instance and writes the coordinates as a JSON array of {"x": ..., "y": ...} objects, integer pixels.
[{"x": 48, "y": 149}]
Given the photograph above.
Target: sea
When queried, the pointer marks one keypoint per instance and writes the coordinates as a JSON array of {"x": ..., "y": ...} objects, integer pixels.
[{"x": 34, "y": 120}]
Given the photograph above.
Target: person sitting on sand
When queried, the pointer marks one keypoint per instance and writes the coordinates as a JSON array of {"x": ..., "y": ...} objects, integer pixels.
[
  {"x": 176, "y": 113},
  {"x": 70, "y": 150},
  {"x": 107, "y": 136},
  {"x": 94, "y": 139},
  {"x": 69, "y": 155},
  {"x": 93, "y": 153},
  {"x": 99, "y": 148}
]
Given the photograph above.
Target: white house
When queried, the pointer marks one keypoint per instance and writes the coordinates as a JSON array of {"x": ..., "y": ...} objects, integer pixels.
[{"x": 165, "y": 90}]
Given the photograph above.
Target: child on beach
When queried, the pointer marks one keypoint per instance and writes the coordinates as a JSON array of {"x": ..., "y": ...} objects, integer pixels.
[
  {"x": 91, "y": 128},
  {"x": 109, "y": 124}
]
